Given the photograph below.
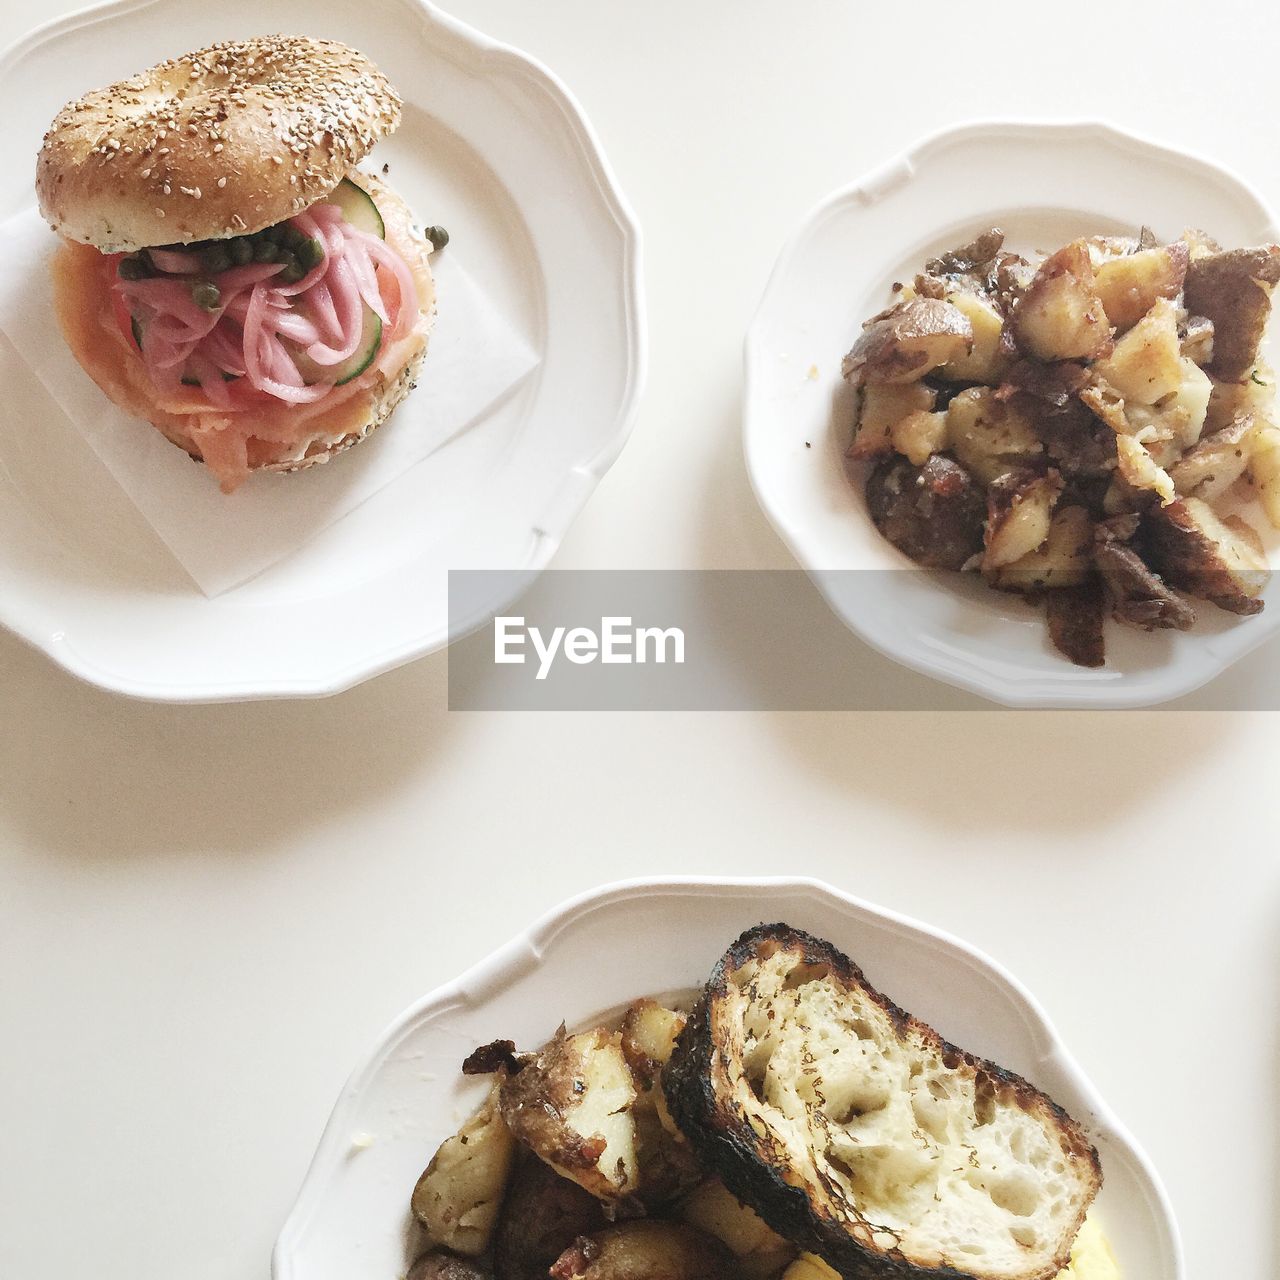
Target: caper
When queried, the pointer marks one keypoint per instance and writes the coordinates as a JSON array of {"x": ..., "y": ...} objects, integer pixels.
[
  {"x": 438, "y": 236},
  {"x": 292, "y": 238},
  {"x": 241, "y": 251},
  {"x": 293, "y": 270},
  {"x": 264, "y": 251},
  {"x": 206, "y": 295},
  {"x": 271, "y": 233},
  {"x": 215, "y": 257},
  {"x": 132, "y": 268},
  {"x": 311, "y": 254}
]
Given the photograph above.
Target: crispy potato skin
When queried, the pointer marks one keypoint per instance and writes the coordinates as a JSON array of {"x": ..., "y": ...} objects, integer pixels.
[
  {"x": 1075, "y": 615},
  {"x": 1206, "y": 557},
  {"x": 1233, "y": 290},
  {"x": 908, "y": 341},
  {"x": 645, "y": 1250},
  {"x": 543, "y": 1215},
  {"x": 439, "y": 1265},
  {"x": 933, "y": 514}
]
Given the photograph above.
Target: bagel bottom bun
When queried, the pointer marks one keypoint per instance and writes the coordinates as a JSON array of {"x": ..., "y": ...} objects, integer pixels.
[{"x": 279, "y": 437}]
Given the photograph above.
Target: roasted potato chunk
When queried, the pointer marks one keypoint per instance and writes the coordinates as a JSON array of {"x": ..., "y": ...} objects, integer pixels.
[
  {"x": 1209, "y": 469},
  {"x": 758, "y": 1250},
  {"x": 1019, "y": 511},
  {"x": 808, "y": 1266},
  {"x": 667, "y": 1165},
  {"x": 571, "y": 1105},
  {"x": 438, "y": 1265},
  {"x": 1264, "y": 471},
  {"x": 988, "y": 436},
  {"x": 905, "y": 343},
  {"x": 1075, "y": 616},
  {"x": 1233, "y": 290},
  {"x": 1140, "y": 470},
  {"x": 1130, "y": 285},
  {"x": 883, "y": 406},
  {"x": 645, "y": 1250},
  {"x": 985, "y": 359},
  {"x": 458, "y": 1196},
  {"x": 542, "y": 1216},
  {"x": 1146, "y": 364},
  {"x": 933, "y": 514},
  {"x": 1214, "y": 559},
  {"x": 919, "y": 436},
  {"x": 1065, "y": 559},
  {"x": 1061, "y": 316}
]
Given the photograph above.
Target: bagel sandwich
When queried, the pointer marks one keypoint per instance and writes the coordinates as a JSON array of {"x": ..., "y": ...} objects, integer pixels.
[{"x": 226, "y": 272}]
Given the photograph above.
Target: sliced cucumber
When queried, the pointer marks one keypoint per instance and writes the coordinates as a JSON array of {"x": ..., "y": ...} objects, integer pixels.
[
  {"x": 354, "y": 365},
  {"x": 358, "y": 208}
]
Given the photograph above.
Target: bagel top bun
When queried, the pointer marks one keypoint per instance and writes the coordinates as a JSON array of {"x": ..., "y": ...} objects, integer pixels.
[{"x": 221, "y": 142}]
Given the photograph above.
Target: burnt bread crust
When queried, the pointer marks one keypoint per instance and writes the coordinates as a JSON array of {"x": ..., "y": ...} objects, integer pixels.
[{"x": 803, "y": 1194}]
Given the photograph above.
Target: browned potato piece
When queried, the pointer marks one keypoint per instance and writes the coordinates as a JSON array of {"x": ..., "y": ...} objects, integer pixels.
[
  {"x": 933, "y": 514},
  {"x": 1139, "y": 469},
  {"x": 542, "y": 1216},
  {"x": 571, "y": 1105},
  {"x": 1209, "y": 469},
  {"x": 989, "y": 437},
  {"x": 1206, "y": 556},
  {"x": 438, "y": 1265},
  {"x": 1065, "y": 559},
  {"x": 808, "y": 1266},
  {"x": 1233, "y": 290},
  {"x": 905, "y": 343},
  {"x": 1139, "y": 598},
  {"x": 984, "y": 360},
  {"x": 1130, "y": 285},
  {"x": 1264, "y": 471},
  {"x": 919, "y": 436},
  {"x": 883, "y": 406},
  {"x": 668, "y": 1167},
  {"x": 1075, "y": 616},
  {"x": 1019, "y": 509},
  {"x": 758, "y": 1250},
  {"x": 1061, "y": 316},
  {"x": 458, "y": 1196},
  {"x": 1146, "y": 364},
  {"x": 645, "y": 1249}
]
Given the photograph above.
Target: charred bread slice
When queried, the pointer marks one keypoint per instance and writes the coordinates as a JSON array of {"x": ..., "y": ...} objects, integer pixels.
[{"x": 856, "y": 1131}]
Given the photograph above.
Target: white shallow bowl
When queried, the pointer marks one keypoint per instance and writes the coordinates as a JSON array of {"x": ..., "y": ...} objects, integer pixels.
[
  {"x": 595, "y": 954},
  {"x": 1043, "y": 184},
  {"x": 496, "y": 148}
]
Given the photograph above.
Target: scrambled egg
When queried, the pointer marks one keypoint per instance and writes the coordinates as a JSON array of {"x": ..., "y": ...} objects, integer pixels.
[{"x": 1091, "y": 1259}]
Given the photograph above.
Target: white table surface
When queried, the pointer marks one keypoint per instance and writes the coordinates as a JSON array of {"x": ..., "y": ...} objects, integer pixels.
[{"x": 206, "y": 914}]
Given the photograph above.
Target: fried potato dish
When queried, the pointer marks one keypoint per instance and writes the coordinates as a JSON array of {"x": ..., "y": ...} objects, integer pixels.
[
  {"x": 793, "y": 1125},
  {"x": 1081, "y": 430}
]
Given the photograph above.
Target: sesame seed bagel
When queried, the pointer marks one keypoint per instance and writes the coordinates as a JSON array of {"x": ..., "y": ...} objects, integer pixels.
[{"x": 221, "y": 142}]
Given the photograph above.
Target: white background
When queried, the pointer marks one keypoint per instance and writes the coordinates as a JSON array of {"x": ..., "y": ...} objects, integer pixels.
[{"x": 207, "y": 914}]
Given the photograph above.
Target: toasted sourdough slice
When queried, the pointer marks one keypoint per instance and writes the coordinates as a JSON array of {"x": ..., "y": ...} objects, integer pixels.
[{"x": 857, "y": 1132}]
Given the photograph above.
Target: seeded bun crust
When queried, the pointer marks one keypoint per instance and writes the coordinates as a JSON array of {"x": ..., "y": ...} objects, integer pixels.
[{"x": 216, "y": 143}]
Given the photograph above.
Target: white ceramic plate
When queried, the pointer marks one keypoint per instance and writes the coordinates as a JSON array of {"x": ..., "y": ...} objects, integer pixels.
[
  {"x": 500, "y": 153},
  {"x": 598, "y": 952},
  {"x": 1043, "y": 184}
]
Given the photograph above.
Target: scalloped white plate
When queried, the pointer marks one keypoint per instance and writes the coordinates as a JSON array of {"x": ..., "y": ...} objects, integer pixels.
[
  {"x": 1043, "y": 184},
  {"x": 496, "y": 148},
  {"x": 599, "y": 951}
]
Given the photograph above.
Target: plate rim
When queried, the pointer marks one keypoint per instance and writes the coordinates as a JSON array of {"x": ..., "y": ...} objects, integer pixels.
[
  {"x": 528, "y": 950},
  {"x": 560, "y": 506},
  {"x": 1042, "y": 693}
]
